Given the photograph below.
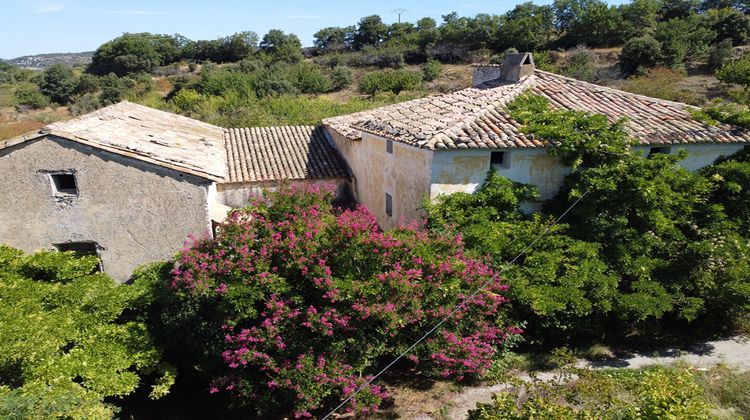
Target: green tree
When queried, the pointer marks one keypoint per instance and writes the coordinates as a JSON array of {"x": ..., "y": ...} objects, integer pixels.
[
  {"x": 683, "y": 39},
  {"x": 640, "y": 54},
  {"x": 527, "y": 27},
  {"x": 371, "y": 31},
  {"x": 639, "y": 17},
  {"x": 58, "y": 83},
  {"x": 134, "y": 53},
  {"x": 71, "y": 338},
  {"x": 728, "y": 24},
  {"x": 677, "y": 9},
  {"x": 281, "y": 46},
  {"x": 737, "y": 72},
  {"x": 720, "y": 53},
  {"x": 332, "y": 39}
]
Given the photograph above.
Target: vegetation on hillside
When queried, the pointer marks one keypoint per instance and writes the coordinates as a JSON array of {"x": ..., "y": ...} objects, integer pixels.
[{"x": 246, "y": 79}]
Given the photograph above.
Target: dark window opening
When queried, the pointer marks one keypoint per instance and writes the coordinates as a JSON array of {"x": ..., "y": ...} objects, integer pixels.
[
  {"x": 64, "y": 184},
  {"x": 527, "y": 60},
  {"x": 389, "y": 146},
  {"x": 658, "y": 150},
  {"x": 501, "y": 159},
  {"x": 81, "y": 249},
  {"x": 388, "y": 205}
]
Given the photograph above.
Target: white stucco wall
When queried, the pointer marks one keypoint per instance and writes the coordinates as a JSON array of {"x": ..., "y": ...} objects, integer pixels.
[
  {"x": 404, "y": 174},
  {"x": 699, "y": 155},
  {"x": 465, "y": 170}
]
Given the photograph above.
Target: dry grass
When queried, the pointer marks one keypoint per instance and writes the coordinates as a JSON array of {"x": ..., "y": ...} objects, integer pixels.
[{"x": 14, "y": 124}]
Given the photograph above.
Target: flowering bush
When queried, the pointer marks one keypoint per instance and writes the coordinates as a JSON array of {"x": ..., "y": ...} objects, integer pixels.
[{"x": 309, "y": 299}]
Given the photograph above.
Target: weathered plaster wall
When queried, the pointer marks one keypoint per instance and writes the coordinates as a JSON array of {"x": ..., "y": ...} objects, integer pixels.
[
  {"x": 237, "y": 194},
  {"x": 405, "y": 174},
  {"x": 465, "y": 170},
  {"x": 137, "y": 212},
  {"x": 700, "y": 155}
]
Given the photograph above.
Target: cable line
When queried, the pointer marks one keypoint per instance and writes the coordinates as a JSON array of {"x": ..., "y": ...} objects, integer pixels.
[{"x": 456, "y": 309}]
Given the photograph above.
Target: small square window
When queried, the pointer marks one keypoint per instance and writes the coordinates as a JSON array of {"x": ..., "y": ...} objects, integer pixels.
[
  {"x": 658, "y": 150},
  {"x": 389, "y": 146},
  {"x": 64, "y": 184},
  {"x": 81, "y": 248},
  {"x": 500, "y": 159},
  {"x": 388, "y": 205}
]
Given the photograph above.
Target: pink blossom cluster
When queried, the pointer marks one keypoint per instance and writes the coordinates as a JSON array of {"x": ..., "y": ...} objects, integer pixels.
[{"x": 314, "y": 297}]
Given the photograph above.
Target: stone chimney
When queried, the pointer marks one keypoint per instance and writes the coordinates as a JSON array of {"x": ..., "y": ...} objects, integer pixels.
[{"x": 513, "y": 68}]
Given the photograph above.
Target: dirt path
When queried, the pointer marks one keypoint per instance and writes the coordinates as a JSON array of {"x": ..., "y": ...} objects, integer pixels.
[{"x": 734, "y": 352}]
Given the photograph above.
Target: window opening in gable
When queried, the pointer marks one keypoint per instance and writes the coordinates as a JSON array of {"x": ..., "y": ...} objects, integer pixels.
[
  {"x": 389, "y": 146},
  {"x": 388, "y": 205},
  {"x": 64, "y": 183}
]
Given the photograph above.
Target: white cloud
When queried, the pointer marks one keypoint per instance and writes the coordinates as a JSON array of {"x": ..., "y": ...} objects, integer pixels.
[
  {"x": 133, "y": 12},
  {"x": 48, "y": 8}
]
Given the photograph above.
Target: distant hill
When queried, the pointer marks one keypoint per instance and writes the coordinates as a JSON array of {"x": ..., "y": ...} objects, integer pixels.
[{"x": 42, "y": 61}]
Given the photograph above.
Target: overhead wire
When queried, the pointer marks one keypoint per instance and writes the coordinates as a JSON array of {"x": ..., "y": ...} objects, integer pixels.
[{"x": 456, "y": 309}]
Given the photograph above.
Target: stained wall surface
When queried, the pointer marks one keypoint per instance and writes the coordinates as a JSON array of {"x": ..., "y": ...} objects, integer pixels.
[
  {"x": 136, "y": 212},
  {"x": 404, "y": 174}
]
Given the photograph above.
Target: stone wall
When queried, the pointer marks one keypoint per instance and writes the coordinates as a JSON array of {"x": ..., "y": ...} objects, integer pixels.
[{"x": 136, "y": 212}]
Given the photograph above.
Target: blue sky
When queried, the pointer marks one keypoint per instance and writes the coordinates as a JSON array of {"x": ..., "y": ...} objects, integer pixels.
[{"x": 34, "y": 27}]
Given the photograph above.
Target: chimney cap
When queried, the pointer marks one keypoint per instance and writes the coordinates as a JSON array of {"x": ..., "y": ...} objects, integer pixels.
[{"x": 518, "y": 59}]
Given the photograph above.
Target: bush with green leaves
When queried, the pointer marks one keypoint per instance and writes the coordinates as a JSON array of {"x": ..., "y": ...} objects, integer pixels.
[
  {"x": 390, "y": 81},
  {"x": 720, "y": 53},
  {"x": 578, "y": 138},
  {"x": 580, "y": 65},
  {"x": 640, "y": 54},
  {"x": 341, "y": 77},
  {"x": 737, "y": 72},
  {"x": 560, "y": 289},
  {"x": 431, "y": 70},
  {"x": 72, "y": 338},
  {"x": 58, "y": 83},
  {"x": 309, "y": 78},
  {"x": 649, "y": 393},
  {"x": 28, "y": 95}
]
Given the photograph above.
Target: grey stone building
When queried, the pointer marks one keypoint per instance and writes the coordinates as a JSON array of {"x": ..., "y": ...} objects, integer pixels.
[{"x": 131, "y": 183}]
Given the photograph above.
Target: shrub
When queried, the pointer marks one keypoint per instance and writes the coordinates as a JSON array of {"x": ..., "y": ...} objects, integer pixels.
[
  {"x": 560, "y": 289},
  {"x": 309, "y": 78},
  {"x": 720, "y": 53},
  {"x": 580, "y": 65},
  {"x": 29, "y": 95},
  {"x": 341, "y": 77},
  {"x": 83, "y": 104},
  {"x": 71, "y": 337},
  {"x": 651, "y": 393},
  {"x": 390, "y": 80},
  {"x": 304, "y": 300},
  {"x": 58, "y": 83},
  {"x": 431, "y": 70},
  {"x": 639, "y": 54}
]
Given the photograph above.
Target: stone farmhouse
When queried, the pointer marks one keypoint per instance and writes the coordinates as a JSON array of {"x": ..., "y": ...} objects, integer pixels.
[{"x": 130, "y": 183}]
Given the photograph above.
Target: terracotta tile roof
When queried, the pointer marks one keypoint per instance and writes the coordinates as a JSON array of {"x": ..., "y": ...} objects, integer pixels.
[
  {"x": 475, "y": 117},
  {"x": 147, "y": 134},
  {"x": 259, "y": 154}
]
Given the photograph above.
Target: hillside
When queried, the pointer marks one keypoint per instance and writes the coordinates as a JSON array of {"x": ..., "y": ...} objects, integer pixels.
[{"x": 42, "y": 61}]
